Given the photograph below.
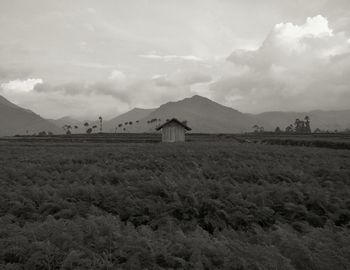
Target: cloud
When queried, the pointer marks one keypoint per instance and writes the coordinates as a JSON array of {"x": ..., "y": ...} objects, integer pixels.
[
  {"x": 182, "y": 78},
  {"x": 168, "y": 58},
  {"x": 92, "y": 65},
  {"x": 117, "y": 75},
  {"x": 21, "y": 85},
  {"x": 297, "y": 67}
]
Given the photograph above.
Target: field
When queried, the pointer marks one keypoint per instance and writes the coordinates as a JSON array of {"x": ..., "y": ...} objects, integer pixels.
[
  {"x": 88, "y": 204},
  {"x": 324, "y": 140}
]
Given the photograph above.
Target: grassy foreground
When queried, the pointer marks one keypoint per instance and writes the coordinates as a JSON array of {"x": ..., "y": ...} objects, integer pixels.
[{"x": 187, "y": 206}]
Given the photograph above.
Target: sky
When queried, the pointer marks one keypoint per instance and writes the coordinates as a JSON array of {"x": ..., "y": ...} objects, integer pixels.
[{"x": 86, "y": 58}]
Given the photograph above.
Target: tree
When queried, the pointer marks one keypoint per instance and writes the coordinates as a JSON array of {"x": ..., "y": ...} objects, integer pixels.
[
  {"x": 297, "y": 125},
  {"x": 302, "y": 126},
  {"x": 307, "y": 124},
  {"x": 100, "y": 118},
  {"x": 67, "y": 129},
  {"x": 290, "y": 129},
  {"x": 278, "y": 130},
  {"x": 89, "y": 131},
  {"x": 94, "y": 127},
  {"x": 86, "y": 125},
  {"x": 256, "y": 128}
]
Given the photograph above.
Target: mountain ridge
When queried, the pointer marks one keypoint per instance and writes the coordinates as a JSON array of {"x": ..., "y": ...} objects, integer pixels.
[{"x": 17, "y": 120}]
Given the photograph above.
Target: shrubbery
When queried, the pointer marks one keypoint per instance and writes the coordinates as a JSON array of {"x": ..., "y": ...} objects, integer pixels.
[
  {"x": 187, "y": 206},
  {"x": 309, "y": 143}
]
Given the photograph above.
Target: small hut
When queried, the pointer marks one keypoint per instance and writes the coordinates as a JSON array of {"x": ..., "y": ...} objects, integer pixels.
[{"x": 173, "y": 131}]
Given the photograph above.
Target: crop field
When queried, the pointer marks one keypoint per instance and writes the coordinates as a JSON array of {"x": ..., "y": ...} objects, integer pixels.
[{"x": 195, "y": 205}]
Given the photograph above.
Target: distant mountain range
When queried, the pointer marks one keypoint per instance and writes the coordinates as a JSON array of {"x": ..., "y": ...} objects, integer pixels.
[
  {"x": 202, "y": 115},
  {"x": 206, "y": 116}
]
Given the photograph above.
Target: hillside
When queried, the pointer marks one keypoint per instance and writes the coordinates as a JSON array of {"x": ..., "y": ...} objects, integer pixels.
[
  {"x": 202, "y": 115},
  {"x": 134, "y": 115},
  {"x": 16, "y": 120},
  {"x": 66, "y": 120}
]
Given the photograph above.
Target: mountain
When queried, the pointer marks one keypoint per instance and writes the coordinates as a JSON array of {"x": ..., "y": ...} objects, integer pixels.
[
  {"x": 16, "y": 120},
  {"x": 324, "y": 120},
  {"x": 66, "y": 120},
  {"x": 134, "y": 115},
  {"x": 202, "y": 115}
]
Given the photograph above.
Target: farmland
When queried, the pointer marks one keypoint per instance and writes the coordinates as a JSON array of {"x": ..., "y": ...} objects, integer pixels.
[{"x": 91, "y": 204}]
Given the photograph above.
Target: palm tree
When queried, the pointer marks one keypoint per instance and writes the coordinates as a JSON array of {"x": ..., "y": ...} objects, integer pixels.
[
  {"x": 100, "y": 118},
  {"x": 307, "y": 124},
  {"x": 64, "y": 127},
  {"x": 277, "y": 130},
  {"x": 67, "y": 129},
  {"x": 290, "y": 128},
  {"x": 94, "y": 127},
  {"x": 86, "y": 125}
]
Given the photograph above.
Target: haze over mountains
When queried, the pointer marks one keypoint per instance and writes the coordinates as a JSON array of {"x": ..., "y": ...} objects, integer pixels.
[{"x": 202, "y": 115}]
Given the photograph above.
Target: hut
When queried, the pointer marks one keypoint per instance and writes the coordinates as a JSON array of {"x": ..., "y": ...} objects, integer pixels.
[{"x": 173, "y": 131}]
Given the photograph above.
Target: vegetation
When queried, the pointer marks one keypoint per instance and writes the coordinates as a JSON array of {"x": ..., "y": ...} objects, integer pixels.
[
  {"x": 67, "y": 129},
  {"x": 101, "y": 120},
  {"x": 158, "y": 206},
  {"x": 258, "y": 129},
  {"x": 299, "y": 126},
  {"x": 325, "y": 143}
]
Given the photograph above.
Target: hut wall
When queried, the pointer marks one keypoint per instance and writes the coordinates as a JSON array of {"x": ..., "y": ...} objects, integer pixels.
[{"x": 173, "y": 133}]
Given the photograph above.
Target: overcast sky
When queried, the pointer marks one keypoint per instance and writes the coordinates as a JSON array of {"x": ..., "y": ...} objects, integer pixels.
[{"x": 86, "y": 58}]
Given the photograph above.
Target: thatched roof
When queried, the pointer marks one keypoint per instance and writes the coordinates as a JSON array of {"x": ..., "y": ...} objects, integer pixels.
[{"x": 174, "y": 120}]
